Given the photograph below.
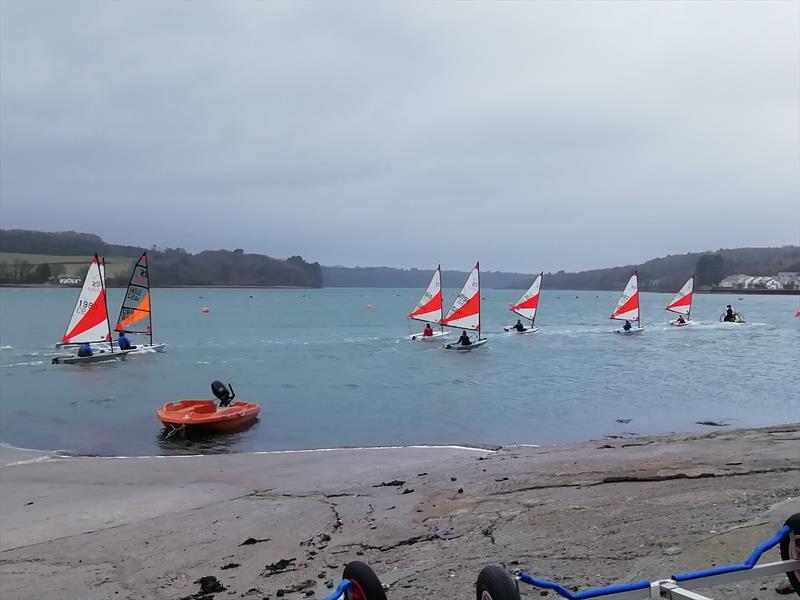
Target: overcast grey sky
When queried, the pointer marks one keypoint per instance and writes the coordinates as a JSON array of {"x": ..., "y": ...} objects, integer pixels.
[{"x": 527, "y": 135}]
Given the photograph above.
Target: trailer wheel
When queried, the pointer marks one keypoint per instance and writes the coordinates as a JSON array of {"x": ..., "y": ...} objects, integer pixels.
[
  {"x": 790, "y": 549},
  {"x": 494, "y": 583},
  {"x": 366, "y": 583}
]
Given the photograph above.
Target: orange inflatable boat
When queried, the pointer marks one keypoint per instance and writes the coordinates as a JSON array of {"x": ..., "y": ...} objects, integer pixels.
[{"x": 205, "y": 415}]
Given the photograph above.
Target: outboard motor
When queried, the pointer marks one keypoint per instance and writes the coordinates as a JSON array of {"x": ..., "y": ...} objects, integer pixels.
[{"x": 223, "y": 393}]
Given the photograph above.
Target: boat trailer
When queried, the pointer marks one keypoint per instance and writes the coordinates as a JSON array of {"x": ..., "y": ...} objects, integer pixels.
[{"x": 495, "y": 583}]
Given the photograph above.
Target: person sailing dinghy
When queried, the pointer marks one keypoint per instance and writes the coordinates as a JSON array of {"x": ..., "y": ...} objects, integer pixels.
[
  {"x": 465, "y": 314},
  {"x": 135, "y": 314},
  {"x": 526, "y": 307},
  {"x": 89, "y": 323},
  {"x": 429, "y": 310},
  {"x": 682, "y": 304},
  {"x": 628, "y": 308}
]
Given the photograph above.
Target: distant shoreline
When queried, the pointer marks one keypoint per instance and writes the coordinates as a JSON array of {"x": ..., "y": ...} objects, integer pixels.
[
  {"x": 732, "y": 292},
  {"x": 161, "y": 287},
  {"x": 749, "y": 292}
]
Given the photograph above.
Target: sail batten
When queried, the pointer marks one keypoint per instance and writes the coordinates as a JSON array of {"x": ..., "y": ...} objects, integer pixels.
[
  {"x": 628, "y": 306},
  {"x": 528, "y": 304},
  {"x": 89, "y": 321},
  {"x": 466, "y": 310},
  {"x": 681, "y": 304},
  {"x": 135, "y": 314},
  {"x": 429, "y": 307}
]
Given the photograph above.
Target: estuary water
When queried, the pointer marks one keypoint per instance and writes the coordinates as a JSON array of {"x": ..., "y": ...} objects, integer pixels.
[{"x": 330, "y": 369}]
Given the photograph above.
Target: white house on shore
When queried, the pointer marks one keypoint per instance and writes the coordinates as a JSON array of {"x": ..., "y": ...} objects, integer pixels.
[
  {"x": 69, "y": 281},
  {"x": 784, "y": 281}
]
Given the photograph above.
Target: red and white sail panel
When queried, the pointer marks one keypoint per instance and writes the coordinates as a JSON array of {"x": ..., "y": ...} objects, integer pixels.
[
  {"x": 466, "y": 310},
  {"x": 527, "y": 305},
  {"x": 628, "y": 305},
  {"x": 429, "y": 307},
  {"x": 682, "y": 302},
  {"x": 89, "y": 322}
]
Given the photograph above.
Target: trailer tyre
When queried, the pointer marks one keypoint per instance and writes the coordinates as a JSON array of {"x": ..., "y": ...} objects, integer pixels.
[
  {"x": 366, "y": 583},
  {"x": 494, "y": 583},
  {"x": 790, "y": 549}
]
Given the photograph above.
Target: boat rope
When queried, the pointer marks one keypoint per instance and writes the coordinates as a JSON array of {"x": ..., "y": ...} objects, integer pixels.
[
  {"x": 181, "y": 427},
  {"x": 175, "y": 429}
]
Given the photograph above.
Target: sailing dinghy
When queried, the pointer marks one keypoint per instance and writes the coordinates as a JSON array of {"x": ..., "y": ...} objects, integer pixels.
[
  {"x": 429, "y": 309},
  {"x": 682, "y": 304},
  {"x": 466, "y": 312},
  {"x": 135, "y": 315},
  {"x": 526, "y": 306},
  {"x": 89, "y": 322},
  {"x": 628, "y": 307}
]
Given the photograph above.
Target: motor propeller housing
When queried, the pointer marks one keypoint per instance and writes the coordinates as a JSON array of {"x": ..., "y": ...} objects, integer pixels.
[{"x": 223, "y": 393}]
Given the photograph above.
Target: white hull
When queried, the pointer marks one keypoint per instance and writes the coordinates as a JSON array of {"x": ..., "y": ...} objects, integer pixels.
[
  {"x": 679, "y": 324},
  {"x": 456, "y": 347},
  {"x": 523, "y": 332},
  {"x": 147, "y": 348},
  {"x": 140, "y": 348},
  {"x": 99, "y": 356},
  {"x": 437, "y": 335},
  {"x": 631, "y": 331}
]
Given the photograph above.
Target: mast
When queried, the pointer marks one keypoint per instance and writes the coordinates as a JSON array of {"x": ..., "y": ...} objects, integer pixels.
[
  {"x": 639, "y": 303},
  {"x": 689, "y": 313},
  {"x": 541, "y": 278},
  {"x": 478, "y": 267},
  {"x": 146, "y": 262},
  {"x": 441, "y": 290},
  {"x": 105, "y": 302}
]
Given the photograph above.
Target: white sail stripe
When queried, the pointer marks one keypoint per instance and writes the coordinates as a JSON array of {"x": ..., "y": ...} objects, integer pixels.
[
  {"x": 431, "y": 317},
  {"x": 631, "y": 315},
  {"x": 98, "y": 333},
  {"x": 471, "y": 322},
  {"x": 528, "y": 313}
]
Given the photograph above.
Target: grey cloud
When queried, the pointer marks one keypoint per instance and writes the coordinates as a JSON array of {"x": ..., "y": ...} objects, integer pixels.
[{"x": 529, "y": 135}]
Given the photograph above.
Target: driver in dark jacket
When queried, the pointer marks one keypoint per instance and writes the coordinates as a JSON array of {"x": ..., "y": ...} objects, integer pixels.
[
  {"x": 124, "y": 342},
  {"x": 464, "y": 339}
]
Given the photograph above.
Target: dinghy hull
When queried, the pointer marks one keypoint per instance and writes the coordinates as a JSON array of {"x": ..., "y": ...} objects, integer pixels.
[
  {"x": 437, "y": 335},
  {"x": 94, "y": 358},
  {"x": 523, "y": 332},
  {"x": 631, "y": 331},
  {"x": 456, "y": 347},
  {"x": 206, "y": 416}
]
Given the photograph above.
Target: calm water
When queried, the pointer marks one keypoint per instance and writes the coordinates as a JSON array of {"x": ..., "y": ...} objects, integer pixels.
[{"x": 329, "y": 371}]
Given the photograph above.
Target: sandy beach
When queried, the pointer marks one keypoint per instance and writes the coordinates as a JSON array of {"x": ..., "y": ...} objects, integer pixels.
[{"x": 427, "y": 519}]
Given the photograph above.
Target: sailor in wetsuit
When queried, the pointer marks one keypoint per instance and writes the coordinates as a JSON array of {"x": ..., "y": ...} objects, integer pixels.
[
  {"x": 519, "y": 326},
  {"x": 627, "y": 326},
  {"x": 680, "y": 320},
  {"x": 428, "y": 331},
  {"x": 729, "y": 315},
  {"x": 464, "y": 339},
  {"x": 124, "y": 342},
  {"x": 85, "y": 350}
]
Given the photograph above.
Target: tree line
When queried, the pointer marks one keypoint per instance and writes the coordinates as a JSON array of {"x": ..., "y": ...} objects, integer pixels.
[{"x": 168, "y": 266}]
